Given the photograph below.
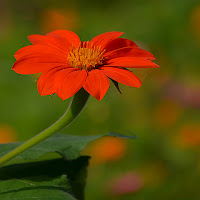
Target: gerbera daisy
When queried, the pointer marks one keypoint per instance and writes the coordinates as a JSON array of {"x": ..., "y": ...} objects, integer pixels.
[{"x": 67, "y": 64}]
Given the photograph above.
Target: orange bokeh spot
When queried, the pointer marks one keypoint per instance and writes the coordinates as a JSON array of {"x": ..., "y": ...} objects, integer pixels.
[
  {"x": 107, "y": 149},
  {"x": 189, "y": 135},
  {"x": 7, "y": 134},
  {"x": 167, "y": 113},
  {"x": 57, "y": 19}
]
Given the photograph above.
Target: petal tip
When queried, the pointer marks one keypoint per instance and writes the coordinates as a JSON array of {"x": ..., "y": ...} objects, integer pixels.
[
  {"x": 139, "y": 86},
  {"x": 155, "y": 65}
]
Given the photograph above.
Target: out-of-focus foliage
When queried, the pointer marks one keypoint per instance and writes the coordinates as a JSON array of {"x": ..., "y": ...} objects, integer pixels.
[{"x": 163, "y": 162}]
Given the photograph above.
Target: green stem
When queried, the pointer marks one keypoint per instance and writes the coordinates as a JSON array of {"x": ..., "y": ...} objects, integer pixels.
[{"x": 77, "y": 104}]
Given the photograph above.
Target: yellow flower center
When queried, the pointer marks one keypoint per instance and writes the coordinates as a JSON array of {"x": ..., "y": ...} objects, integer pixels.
[{"x": 86, "y": 56}]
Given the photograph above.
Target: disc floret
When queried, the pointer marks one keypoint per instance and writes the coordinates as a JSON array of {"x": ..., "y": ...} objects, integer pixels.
[{"x": 87, "y": 56}]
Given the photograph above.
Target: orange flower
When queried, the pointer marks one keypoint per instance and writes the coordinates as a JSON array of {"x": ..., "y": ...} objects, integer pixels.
[{"x": 67, "y": 64}]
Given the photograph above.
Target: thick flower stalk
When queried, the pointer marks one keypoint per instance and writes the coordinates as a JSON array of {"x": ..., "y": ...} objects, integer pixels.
[
  {"x": 77, "y": 104},
  {"x": 70, "y": 67}
]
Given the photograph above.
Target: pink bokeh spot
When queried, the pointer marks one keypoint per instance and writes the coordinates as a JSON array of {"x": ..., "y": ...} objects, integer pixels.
[{"x": 126, "y": 184}]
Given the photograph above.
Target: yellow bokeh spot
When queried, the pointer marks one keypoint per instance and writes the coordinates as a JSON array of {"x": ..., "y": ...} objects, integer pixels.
[{"x": 153, "y": 173}]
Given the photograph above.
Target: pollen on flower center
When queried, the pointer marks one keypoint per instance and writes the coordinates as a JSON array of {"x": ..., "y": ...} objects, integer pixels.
[{"x": 86, "y": 56}]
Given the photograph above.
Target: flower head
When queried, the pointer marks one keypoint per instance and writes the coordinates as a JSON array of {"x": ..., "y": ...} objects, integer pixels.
[{"x": 67, "y": 64}]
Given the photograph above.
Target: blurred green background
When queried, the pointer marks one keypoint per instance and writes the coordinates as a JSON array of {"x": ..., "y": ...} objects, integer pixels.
[{"x": 164, "y": 161}]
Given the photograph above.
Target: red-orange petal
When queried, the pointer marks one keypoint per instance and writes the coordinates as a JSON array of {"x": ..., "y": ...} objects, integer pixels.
[
  {"x": 53, "y": 39},
  {"x": 46, "y": 82},
  {"x": 44, "y": 40},
  {"x": 97, "y": 84},
  {"x": 41, "y": 39},
  {"x": 32, "y": 64},
  {"x": 65, "y": 35},
  {"x": 39, "y": 49},
  {"x": 121, "y": 75},
  {"x": 69, "y": 82},
  {"x": 130, "y": 62},
  {"x": 103, "y": 39},
  {"x": 129, "y": 52},
  {"x": 119, "y": 43}
]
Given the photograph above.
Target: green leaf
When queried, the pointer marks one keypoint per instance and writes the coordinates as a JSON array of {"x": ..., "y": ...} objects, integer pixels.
[
  {"x": 56, "y": 179},
  {"x": 116, "y": 85},
  {"x": 67, "y": 146}
]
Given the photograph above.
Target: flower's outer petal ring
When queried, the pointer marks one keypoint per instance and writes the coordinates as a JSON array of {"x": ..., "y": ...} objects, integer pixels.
[
  {"x": 131, "y": 62},
  {"x": 129, "y": 52},
  {"x": 69, "y": 82},
  {"x": 97, "y": 84},
  {"x": 39, "y": 49},
  {"x": 119, "y": 43},
  {"x": 32, "y": 64},
  {"x": 121, "y": 75},
  {"x": 46, "y": 82},
  {"x": 103, "y": 39}
]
